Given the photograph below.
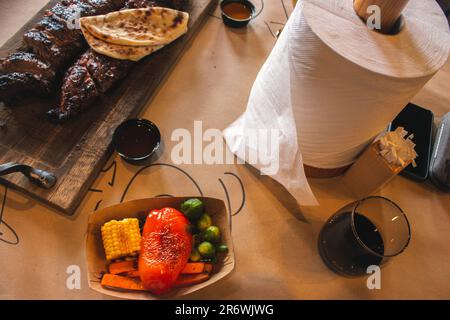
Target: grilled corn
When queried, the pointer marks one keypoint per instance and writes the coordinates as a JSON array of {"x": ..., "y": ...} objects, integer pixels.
[{"x": 121, "y": 238}]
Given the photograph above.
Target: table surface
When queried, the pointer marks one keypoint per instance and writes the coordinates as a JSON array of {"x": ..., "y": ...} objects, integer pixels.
[{"x": 275, "y": 239}]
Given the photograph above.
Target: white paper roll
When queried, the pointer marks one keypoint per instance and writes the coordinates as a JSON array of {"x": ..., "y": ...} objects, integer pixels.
[{"x": 330, "y": 85}]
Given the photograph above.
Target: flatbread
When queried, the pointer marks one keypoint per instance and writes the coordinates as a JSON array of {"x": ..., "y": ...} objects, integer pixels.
[
  {"x": 115, "y": 51},
  {"x": 138, "y": 27}
]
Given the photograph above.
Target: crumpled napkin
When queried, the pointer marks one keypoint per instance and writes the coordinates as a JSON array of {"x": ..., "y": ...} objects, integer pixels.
[{"x": 397, "y": 148}]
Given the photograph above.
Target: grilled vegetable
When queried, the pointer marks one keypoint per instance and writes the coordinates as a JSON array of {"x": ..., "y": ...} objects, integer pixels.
[
  {"x": 116, "y": 282},
  {"x": 206, "y": 249},
  {"x": 166, "y": 246},
  {"x": 211, "y": 234},
  {"x": 122, "y": 267},
  {"x": 121, "y": 238},
  {"x": 222, "y": 248},
  {"x": 120, "y": 283},
  {"x": 192, "y": 209},
  {"x": 132, "y": 274},
  {"x": 204, "y": 222},
  {"x": 196, "y": 267},
  {"x": 191, "y": 279}
]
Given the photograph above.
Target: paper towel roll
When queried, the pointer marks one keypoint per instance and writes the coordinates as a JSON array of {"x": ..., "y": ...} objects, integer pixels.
[{"x": 330, "y": 84}]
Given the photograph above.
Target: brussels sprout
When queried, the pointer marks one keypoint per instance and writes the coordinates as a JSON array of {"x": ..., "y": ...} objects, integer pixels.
[
  {"x": 222, "y": 248},
  {"x": 192, "y": 209},
  {"x": 195, "y": 255},
  {"x": 206, "y": 249},
  {"x": 204, "y": 222},
  {"x": 211, "y": 234}
]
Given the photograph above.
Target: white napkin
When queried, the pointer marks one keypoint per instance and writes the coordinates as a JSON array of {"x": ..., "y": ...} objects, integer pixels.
[{"x": 269, "y": 108}]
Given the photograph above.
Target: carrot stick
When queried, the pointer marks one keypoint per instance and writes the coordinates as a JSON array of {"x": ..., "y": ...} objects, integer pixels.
[
  {"x": 191, "y": 279},
  {"x": 122, "y": 267},
  {"x": 132, "y": 274},
  {"x": 208, "y": 267},
  {"x": 193, "y": 268},
  {"x": 116, "y": 282}
]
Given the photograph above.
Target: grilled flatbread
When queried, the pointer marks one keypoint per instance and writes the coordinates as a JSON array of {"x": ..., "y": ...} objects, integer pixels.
[
  {"x": 116, "y": 51},
  {"x": 153, "y": 26}
]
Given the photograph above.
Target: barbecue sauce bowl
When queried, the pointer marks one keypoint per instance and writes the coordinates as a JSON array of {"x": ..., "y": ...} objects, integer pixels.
[
  {"x": 237, "y": 13},
  {"x": 136, "y": 140}
]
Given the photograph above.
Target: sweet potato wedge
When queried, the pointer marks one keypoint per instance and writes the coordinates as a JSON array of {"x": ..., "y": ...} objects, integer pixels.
[
  {"x": 197, "y": 267},
  {"x": 122, "y": 267},
  {"x": 193, "y": 268},
  {"x": 185, "y": 280},
  {"x": 131, "y": 274},
  {"x": 125, "y": 283},
  {"x": 112, "y": 281},
  {"x": 208, "y": 267}
]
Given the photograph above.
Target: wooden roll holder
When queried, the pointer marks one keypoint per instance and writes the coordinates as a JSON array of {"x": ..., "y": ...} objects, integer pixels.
[{"x": 391, "y": 11}]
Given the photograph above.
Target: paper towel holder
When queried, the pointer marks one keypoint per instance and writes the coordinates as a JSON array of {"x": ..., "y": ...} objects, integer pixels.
[
  {"x": 391, "y": 13},
  {"x": 392, "y": 22}
]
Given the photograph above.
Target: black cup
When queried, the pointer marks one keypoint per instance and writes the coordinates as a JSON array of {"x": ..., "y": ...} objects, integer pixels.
[
  {"x": 237, "y": 23},
  {"x": 138, "y": 146}
]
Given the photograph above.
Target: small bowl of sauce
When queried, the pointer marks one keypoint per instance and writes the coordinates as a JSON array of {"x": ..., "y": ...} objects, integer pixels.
[
  {"x": 136, "y": 140},
  {"x": 237, "y": 13}
]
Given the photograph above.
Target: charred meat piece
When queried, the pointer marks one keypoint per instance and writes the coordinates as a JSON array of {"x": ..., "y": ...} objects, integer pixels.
[
  {"x": 26, "y": 62},
  {"x": 175, "y": 4},
  {"x": 59, "y": 29},
  {"x": 14, "y": 85},
  {"x": 104, "y": 70},
  {"x": 99, "y": 6},
  {"x": 64, "y": 11},
  {"x": 135, "y": 4},
  {"x": 23, "y": 73},
  {"x": 60, "y": 21},
  {"x": 55, "y": 38},
  {"x": 91, "y": 75},
  {"x": 85, "y": 7},
  {"x": 78, "y": 92},
  {"x": 68, "y": 10},
  {"x": 51, "y": 49}
]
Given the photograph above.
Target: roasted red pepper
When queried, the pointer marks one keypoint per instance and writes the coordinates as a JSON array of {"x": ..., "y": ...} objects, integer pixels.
[{"x": 165, "y": 249}]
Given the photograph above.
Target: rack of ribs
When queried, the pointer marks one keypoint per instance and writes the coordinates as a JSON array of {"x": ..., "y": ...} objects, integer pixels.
[
  {"x": 51, "y": 44},
  {"x": 94, "y": 74}
]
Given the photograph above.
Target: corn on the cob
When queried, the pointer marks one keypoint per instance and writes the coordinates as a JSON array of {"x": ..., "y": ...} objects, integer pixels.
[{"x": 121, "y": 238}]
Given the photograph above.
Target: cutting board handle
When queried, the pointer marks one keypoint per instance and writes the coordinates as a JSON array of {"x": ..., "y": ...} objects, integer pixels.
[{"x": 39, "y": 177}]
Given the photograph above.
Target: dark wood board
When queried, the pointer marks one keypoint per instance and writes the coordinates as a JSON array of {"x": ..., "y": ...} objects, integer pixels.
[{"x": 77, "y": 150}]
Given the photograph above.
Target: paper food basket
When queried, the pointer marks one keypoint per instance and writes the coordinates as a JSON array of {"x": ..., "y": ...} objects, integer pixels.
[{"x": 95, "y": 256}]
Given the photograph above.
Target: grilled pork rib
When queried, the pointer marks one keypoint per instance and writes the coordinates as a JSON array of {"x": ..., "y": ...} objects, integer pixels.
[
  {"x": 26, "y": 62},
  {"x": 55, "y": 38},
  {"x": 23, "y": 73},
  {"x": 91, "y": 75},
  {"x": 17, "y": 83},
  {"x": 94, "y": 74}
]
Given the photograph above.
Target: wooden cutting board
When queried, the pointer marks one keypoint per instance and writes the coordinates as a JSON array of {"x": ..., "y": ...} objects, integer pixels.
[{"x": 77, "y": 150}]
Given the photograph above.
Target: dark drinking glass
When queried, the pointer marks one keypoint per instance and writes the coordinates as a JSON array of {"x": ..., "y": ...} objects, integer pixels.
[{"x": 364, "y": 233}]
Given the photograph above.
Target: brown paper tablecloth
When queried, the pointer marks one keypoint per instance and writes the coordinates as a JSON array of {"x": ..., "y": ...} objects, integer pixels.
[{"x": 275, "y": 239}]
